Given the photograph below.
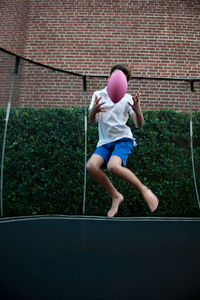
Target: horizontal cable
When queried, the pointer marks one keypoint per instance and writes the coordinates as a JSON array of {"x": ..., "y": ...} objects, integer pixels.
[{"x": 98, "y": 75}]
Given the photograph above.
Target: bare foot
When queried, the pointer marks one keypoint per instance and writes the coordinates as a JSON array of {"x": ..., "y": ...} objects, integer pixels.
[
  {"x": 115, "y": 204},
  {"x": 151, "y": 199}
]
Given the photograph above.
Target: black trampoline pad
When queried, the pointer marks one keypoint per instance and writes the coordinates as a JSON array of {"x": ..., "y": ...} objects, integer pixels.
[{"x": 58, "y": 257}]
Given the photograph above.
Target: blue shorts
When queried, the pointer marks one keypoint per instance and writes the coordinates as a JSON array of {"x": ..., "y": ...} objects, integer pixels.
[{"x": 121, "y": 148}]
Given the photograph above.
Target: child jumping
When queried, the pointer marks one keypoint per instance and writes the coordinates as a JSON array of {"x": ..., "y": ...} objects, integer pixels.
[{"x": 116, "y": 142}]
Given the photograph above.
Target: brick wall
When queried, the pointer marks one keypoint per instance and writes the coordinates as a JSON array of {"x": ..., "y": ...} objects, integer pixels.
[
  {"x": 158, "y": 38},
  {"x": 14, "y": 15}
]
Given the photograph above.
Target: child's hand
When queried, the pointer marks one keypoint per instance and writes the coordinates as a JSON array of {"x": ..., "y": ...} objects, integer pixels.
[
  {"x": 97, "y": 107},
  {"x": 136, "y": 101}
]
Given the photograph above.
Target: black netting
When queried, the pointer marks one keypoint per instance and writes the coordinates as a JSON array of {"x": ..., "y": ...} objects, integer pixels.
[{"x": 58, "y": 139}]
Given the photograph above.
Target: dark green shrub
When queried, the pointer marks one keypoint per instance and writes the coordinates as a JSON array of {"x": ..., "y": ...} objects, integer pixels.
[{"x": 44, "y": 164}]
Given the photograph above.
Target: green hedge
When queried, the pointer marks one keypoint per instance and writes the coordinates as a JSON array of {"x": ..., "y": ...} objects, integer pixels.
[{"x": 44, "y": 164}]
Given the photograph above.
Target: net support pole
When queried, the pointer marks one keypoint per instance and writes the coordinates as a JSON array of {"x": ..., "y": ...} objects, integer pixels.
[
  {"x": 191, "y": 142},
  {"x": 85, "y": 131},
  {"x": 17, "y": 60}
]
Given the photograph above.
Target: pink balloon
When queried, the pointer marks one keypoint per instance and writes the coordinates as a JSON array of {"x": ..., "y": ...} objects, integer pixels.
[{"x": 117, "y": 86}]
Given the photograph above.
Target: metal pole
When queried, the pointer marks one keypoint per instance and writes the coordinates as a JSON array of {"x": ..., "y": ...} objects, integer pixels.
[
  {"x": 85, "y": 128},
  {"x": 6, "y": 126},
  {"x": 191, "y": 142}
]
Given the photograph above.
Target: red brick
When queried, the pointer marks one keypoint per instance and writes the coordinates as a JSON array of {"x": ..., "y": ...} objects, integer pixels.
[{"x": 158, "y": 38}]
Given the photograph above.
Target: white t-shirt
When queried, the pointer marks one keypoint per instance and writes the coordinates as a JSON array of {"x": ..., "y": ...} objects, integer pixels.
[{"x": 112, "y": 123}]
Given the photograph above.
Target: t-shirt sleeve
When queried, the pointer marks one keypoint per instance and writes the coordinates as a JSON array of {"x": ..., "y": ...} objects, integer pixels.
[
  {"x": 130, "y": 110},
  {"x": 92, "y": 101}
]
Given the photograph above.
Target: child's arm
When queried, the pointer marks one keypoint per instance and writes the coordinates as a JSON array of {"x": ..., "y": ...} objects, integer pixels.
[
  {"x": 97, "y": 107},
  {"x": 137, "y": 115}
]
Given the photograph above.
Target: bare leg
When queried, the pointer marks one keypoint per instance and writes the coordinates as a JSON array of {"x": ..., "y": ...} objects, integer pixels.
[
  {"x": 93, "y": 166},
  {"x": 115, "y": 166}
]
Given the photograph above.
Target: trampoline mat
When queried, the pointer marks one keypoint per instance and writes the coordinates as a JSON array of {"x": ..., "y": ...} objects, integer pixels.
[{"x": 87, "y": 258}]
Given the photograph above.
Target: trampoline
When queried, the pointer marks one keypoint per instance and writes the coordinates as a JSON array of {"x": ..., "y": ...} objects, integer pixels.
[
  {"x": 61, "y": 257},
  {"x": 79, "y": 257}
]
